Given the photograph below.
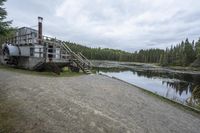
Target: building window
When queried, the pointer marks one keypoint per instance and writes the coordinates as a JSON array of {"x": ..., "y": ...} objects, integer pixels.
[
  {"x": 31, "y": 51},
  {"x": 40, "y": 52}
]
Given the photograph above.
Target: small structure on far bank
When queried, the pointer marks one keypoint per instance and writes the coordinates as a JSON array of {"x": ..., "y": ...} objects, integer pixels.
[{"x": 29, "y": 49}]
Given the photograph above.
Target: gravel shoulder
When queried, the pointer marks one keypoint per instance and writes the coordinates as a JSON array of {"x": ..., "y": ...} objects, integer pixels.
[{"x": 86, "y": 104}]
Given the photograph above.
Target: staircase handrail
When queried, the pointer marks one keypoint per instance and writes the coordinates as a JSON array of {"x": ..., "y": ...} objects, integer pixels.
[
  {"x": 75, "y": 55},
  {"x": 81, "y": 61},
  {"x": 86, "y": 59}
]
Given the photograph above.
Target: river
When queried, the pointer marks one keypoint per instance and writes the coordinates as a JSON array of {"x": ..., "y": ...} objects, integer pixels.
[{"x": 172, "y": 85}]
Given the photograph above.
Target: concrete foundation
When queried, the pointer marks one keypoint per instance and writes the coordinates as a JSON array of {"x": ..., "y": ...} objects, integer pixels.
[
  {"x": 25, "y": 62},
  {"x": 29, "y": 62}
]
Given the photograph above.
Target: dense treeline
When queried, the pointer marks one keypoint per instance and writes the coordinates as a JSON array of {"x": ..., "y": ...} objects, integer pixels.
[
  {"x": 101, "y": 54},
  {"x": 148, "y": 56},
  {"x": 183, "y": 54}
]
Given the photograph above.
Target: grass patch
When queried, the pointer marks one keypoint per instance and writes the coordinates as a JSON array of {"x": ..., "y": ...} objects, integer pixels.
[{"x": 64, "y": 73}]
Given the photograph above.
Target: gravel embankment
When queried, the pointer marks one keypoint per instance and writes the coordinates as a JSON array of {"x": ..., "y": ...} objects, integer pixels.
[{"x": 86, "y": 104}]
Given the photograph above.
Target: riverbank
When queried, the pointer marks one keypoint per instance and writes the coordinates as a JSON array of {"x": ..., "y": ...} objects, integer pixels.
[
  {"x": 86, "y": 103},
  {"x": 145, "y": 66},
  {"x": 177, "y": 103}
]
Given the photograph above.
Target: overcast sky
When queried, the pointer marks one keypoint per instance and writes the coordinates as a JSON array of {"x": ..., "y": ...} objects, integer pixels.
[{"x": 120, "y": 24}]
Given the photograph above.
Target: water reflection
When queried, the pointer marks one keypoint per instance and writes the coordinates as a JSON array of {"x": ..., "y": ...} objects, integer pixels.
[
  {"x": 179, "y": 82},
  {"x": 179, "y": 86},
  {"x": 176, "y": 86}
]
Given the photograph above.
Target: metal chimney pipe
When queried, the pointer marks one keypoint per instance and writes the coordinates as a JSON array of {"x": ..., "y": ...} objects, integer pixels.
[{"x": 40, "y": 19}]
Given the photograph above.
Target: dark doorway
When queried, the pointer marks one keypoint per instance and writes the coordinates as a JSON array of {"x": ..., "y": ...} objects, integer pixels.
[{"x": 50, "y": 52}]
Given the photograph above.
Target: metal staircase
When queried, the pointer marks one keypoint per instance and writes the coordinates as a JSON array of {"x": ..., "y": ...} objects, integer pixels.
[{"x": 80, "y": 60}]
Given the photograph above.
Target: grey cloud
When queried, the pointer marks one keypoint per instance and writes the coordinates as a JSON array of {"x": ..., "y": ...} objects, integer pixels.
[{"x": 122, "y": 24}]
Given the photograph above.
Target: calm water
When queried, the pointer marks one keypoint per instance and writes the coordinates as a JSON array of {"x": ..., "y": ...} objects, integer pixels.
[{"x": 175, "y": 86}]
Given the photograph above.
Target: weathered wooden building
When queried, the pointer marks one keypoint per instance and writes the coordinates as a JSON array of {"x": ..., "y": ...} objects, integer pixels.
[{"x": 29, "y": 49}]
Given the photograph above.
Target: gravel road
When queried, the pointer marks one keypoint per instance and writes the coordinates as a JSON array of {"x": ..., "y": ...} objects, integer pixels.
[{"x": 85, "y": 104}]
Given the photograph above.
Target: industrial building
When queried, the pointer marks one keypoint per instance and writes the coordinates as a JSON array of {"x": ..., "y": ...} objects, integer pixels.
[{"x": 30, "y": 49}]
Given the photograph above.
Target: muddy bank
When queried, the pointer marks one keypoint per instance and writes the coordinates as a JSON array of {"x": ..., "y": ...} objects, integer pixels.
[
  {"x": 85, "y": 104},
  {"x": 143, "y": 66}
]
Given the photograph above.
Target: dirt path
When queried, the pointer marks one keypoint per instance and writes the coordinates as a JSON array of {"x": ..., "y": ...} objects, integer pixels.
[{"x": 85, "y": 104}]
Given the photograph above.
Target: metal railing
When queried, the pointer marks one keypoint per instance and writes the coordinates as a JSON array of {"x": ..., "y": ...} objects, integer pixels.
[
  {"x": 22, "y": 39},
  {"x": 42, "y": 52}
]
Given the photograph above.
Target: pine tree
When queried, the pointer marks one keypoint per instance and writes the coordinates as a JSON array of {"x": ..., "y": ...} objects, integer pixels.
[
  {"x": 189, "y": 53},
  {"x": 4, "y": 25},
  {"x": 197, "y": 49}
]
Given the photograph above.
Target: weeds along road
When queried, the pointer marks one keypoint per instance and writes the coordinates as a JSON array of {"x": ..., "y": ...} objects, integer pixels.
[{"x": 86, "y": 104}]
